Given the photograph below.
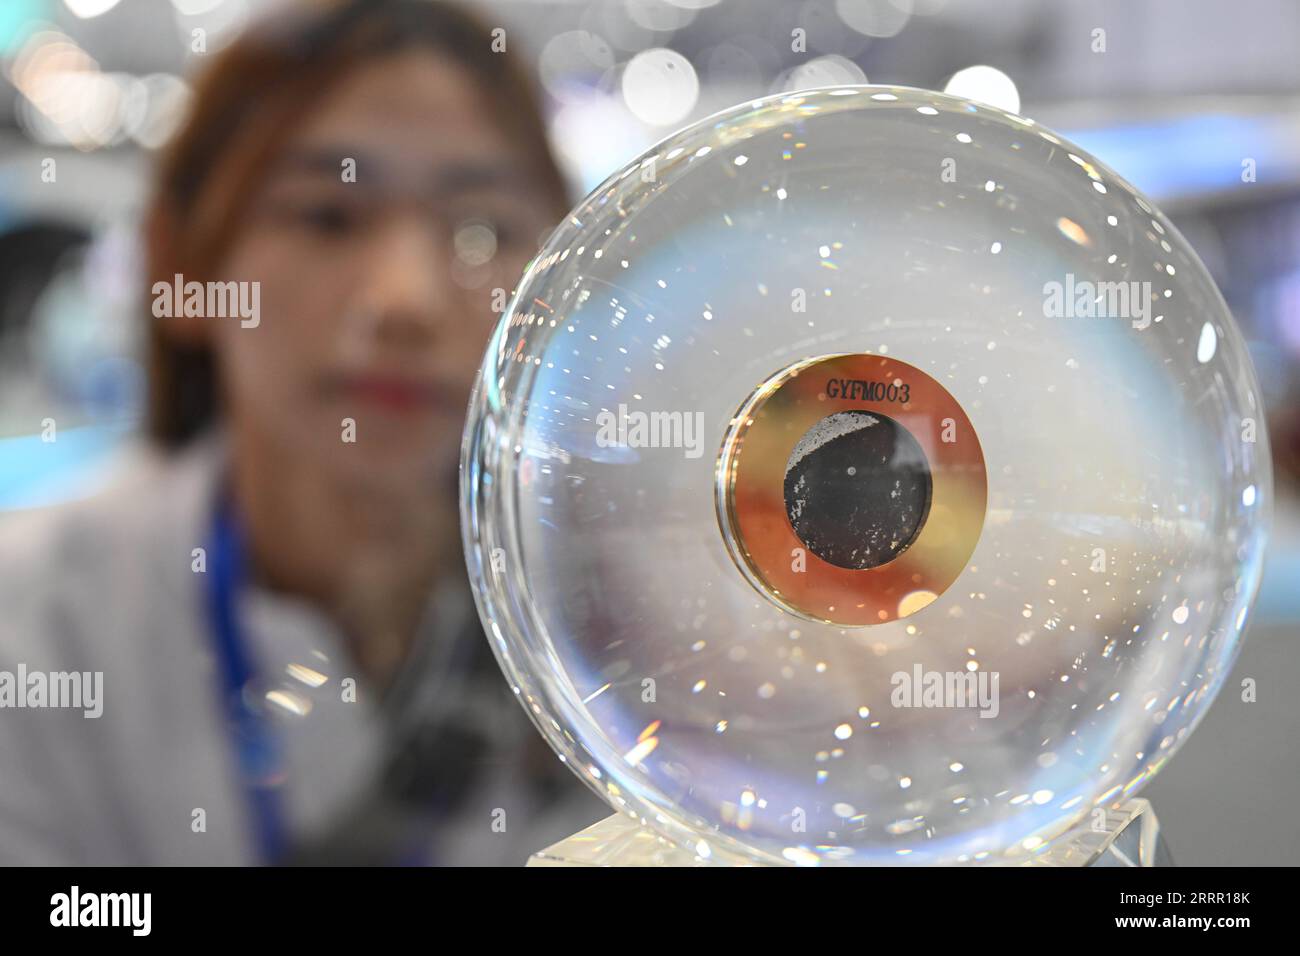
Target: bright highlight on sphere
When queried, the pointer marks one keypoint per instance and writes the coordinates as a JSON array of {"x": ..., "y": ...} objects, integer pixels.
[
  {"x": 985, "y": 84},
  {"x": 86, "y": 9}
]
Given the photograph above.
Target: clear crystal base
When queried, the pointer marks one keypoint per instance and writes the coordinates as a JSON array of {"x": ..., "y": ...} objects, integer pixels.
[{"x": 1127, "y": 835}]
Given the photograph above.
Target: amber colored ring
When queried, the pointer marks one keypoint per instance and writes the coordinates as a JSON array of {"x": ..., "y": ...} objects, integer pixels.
[{"x": 751, "y": 501}]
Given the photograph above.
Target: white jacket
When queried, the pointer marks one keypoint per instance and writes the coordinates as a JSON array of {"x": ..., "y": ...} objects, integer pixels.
[{"x": 106, "y": 585}]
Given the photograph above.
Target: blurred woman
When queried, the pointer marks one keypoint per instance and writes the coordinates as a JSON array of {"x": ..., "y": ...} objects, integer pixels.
[{"x": 291, "y": 664}]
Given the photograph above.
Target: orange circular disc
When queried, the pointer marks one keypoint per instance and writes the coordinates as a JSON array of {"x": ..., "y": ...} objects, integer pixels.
[{"x": 851, "y": 489}]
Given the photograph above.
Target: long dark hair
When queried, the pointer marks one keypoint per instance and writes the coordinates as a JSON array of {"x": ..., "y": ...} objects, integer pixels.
[{"x": 244, "y": 104}]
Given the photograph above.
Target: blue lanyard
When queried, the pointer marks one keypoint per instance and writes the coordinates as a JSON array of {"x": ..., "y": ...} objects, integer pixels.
[{"x": 256, "y": 745}]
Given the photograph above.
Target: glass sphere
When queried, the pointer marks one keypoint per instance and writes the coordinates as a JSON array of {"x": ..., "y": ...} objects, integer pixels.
[{"x": 865, "y": 475}]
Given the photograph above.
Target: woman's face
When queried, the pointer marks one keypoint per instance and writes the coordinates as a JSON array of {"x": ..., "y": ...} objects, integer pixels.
[{"x": 397, "y": 216}]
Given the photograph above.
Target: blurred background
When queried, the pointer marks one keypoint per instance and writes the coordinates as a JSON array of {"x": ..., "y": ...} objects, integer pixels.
[{"x": 1196, "y": 102}]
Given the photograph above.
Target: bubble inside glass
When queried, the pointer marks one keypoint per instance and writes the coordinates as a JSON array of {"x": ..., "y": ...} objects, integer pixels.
[{"x": 1122, "y": 447}]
